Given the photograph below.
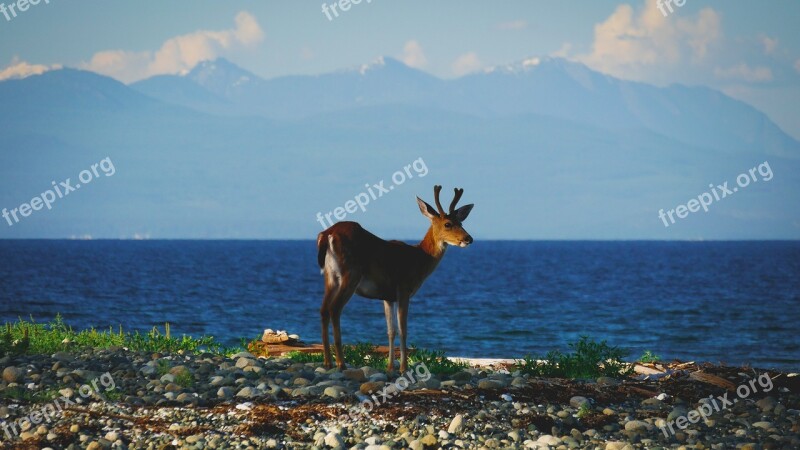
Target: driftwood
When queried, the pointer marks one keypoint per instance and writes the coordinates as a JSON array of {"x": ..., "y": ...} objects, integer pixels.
[
  {"x": 712, "y": 379},
  {"x": 642, "y": 391}
]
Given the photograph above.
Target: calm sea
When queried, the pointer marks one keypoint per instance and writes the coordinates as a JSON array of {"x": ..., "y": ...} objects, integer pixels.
[{"x": 732, "y": 302}]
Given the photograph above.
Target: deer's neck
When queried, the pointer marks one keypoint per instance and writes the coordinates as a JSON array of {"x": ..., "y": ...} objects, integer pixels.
[{"x": 433, "y": 247}]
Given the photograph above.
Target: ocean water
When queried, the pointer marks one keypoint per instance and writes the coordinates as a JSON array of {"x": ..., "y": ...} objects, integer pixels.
[{"x": 731, "y": 302}]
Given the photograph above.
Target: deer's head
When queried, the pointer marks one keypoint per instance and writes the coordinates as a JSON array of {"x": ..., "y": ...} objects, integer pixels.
[{"x": 446, "y": 227}]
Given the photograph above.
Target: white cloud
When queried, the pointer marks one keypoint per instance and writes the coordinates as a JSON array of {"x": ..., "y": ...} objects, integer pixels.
[
  {"x": 743, "y": 72},
  {"x": 466, "y": 63},
  {"x": 513, "y": 25},
  {"x": 627, "y": 43},
  {"x": 769, "y": 44},
  {"x": 21, "y": 69},
  {"x": 178, "y": 54},
  {"x": 797, "y": 66},
  {"x": 413, "y": 55}
]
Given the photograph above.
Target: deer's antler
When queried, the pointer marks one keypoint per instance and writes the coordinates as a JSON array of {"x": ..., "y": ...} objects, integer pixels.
[
  {"x": 436, "y": 190},
  {"x": 456, "y": 198}
]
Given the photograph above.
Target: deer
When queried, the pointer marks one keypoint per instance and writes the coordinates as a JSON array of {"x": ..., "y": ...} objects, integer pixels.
[{"x": 355, "y": 261}]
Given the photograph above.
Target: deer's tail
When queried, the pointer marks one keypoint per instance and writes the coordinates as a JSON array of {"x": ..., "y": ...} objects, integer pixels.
[{"x": 322, "y": 250}]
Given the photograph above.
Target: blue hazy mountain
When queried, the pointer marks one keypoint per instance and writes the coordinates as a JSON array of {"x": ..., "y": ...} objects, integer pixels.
[
  {"x": 545, "y": 148},
  {"x": 546, "y": 86}
]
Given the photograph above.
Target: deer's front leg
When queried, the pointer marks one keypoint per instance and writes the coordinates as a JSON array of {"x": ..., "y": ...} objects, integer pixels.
[
  {"x": 389, "y": 311},
  {"x": 402, "y": 322}
]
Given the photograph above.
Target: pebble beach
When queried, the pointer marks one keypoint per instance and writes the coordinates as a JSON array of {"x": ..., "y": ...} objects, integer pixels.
[{"x": 115, "y": 399}]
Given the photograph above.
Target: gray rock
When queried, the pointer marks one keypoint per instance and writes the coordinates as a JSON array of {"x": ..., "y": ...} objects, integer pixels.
[
  {"x": 371, "y": 387},
  {"x": 301, "y": 392},
  {"x": 378, "y": 377},
  {"x": 332, "y": 439},
  {"x": 247, "y": 392},
  {"x": 607, "y": 381},
  {"x": 225, "y": 392},
  {"x": 354, "y": 374},
  {"x": 519, "y": 382},
  {"x": 13, "y": 375},
  {"x": 547, "y": 439},
  {"x": 456, "y": 424},
  {"x": 578, "y": 401},
  {"x": 67, "y": 392},
  {"x": 429, "y": 440},
  {"x": 763, "y": 425},
  {"x": 638, "y": 426},
  {"x": 243, "y": 362},
  {"x": 489, "y": 384},
  {"x": 63, "y": 357},
  {"x": 618, "y": 445},
  {"x": 300, "y": 381},
  {"x": 462, "y": 376},
  {"x": 112, "y": 436},
  {"x": 766, "y": 404},
  {"x": 676, "y": 412},
  {"x": 168, "y": 378},
  {"x": 185, "y": 398},
  {"x": 416, "y": 445},
  {"x": 334, "y": 391}
]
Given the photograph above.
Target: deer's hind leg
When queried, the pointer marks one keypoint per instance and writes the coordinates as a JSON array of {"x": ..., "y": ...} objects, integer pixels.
[
  {"x": 325, "y": 315},
  {"x": 348, "y": 286}
]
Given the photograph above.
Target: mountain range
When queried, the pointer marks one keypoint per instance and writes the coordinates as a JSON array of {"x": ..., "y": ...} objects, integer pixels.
[{"x": 546, "y": 148}]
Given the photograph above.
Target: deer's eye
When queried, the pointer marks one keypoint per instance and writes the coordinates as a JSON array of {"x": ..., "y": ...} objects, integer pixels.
[{"x": 448, "y": 225}]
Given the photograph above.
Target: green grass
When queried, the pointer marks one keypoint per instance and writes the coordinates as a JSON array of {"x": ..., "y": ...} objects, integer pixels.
[
  {"x": 19, "y": 393},
  {"x": 588, "y": 359},
  {"x": 357, "y": 355},
  {"x": 437, "y": 362},
  {"x": 649, "y": 357},
  {"x": 365, "y": 354},
  {"x": 162, "y": 367},
  {"x": 31, "y": 337},
  {"x": 184, "y": 379},
  {"x": 584, "y": 411},
  {"x": 113, "y": 395}
]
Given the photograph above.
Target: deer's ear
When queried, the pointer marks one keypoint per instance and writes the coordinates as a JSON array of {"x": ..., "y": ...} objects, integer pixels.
[
  {"x": 426, "y": 209},
  {"x": 462, "y": 213}
]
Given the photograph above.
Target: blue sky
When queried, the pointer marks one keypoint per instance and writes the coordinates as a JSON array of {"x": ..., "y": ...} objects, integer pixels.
[{"x": 750, "y": 51}]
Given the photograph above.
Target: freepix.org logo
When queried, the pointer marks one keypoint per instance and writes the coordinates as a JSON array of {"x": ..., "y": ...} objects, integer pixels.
[
  {"x": 58, "y": 191},
  {"x": 11, "y": 10}
]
